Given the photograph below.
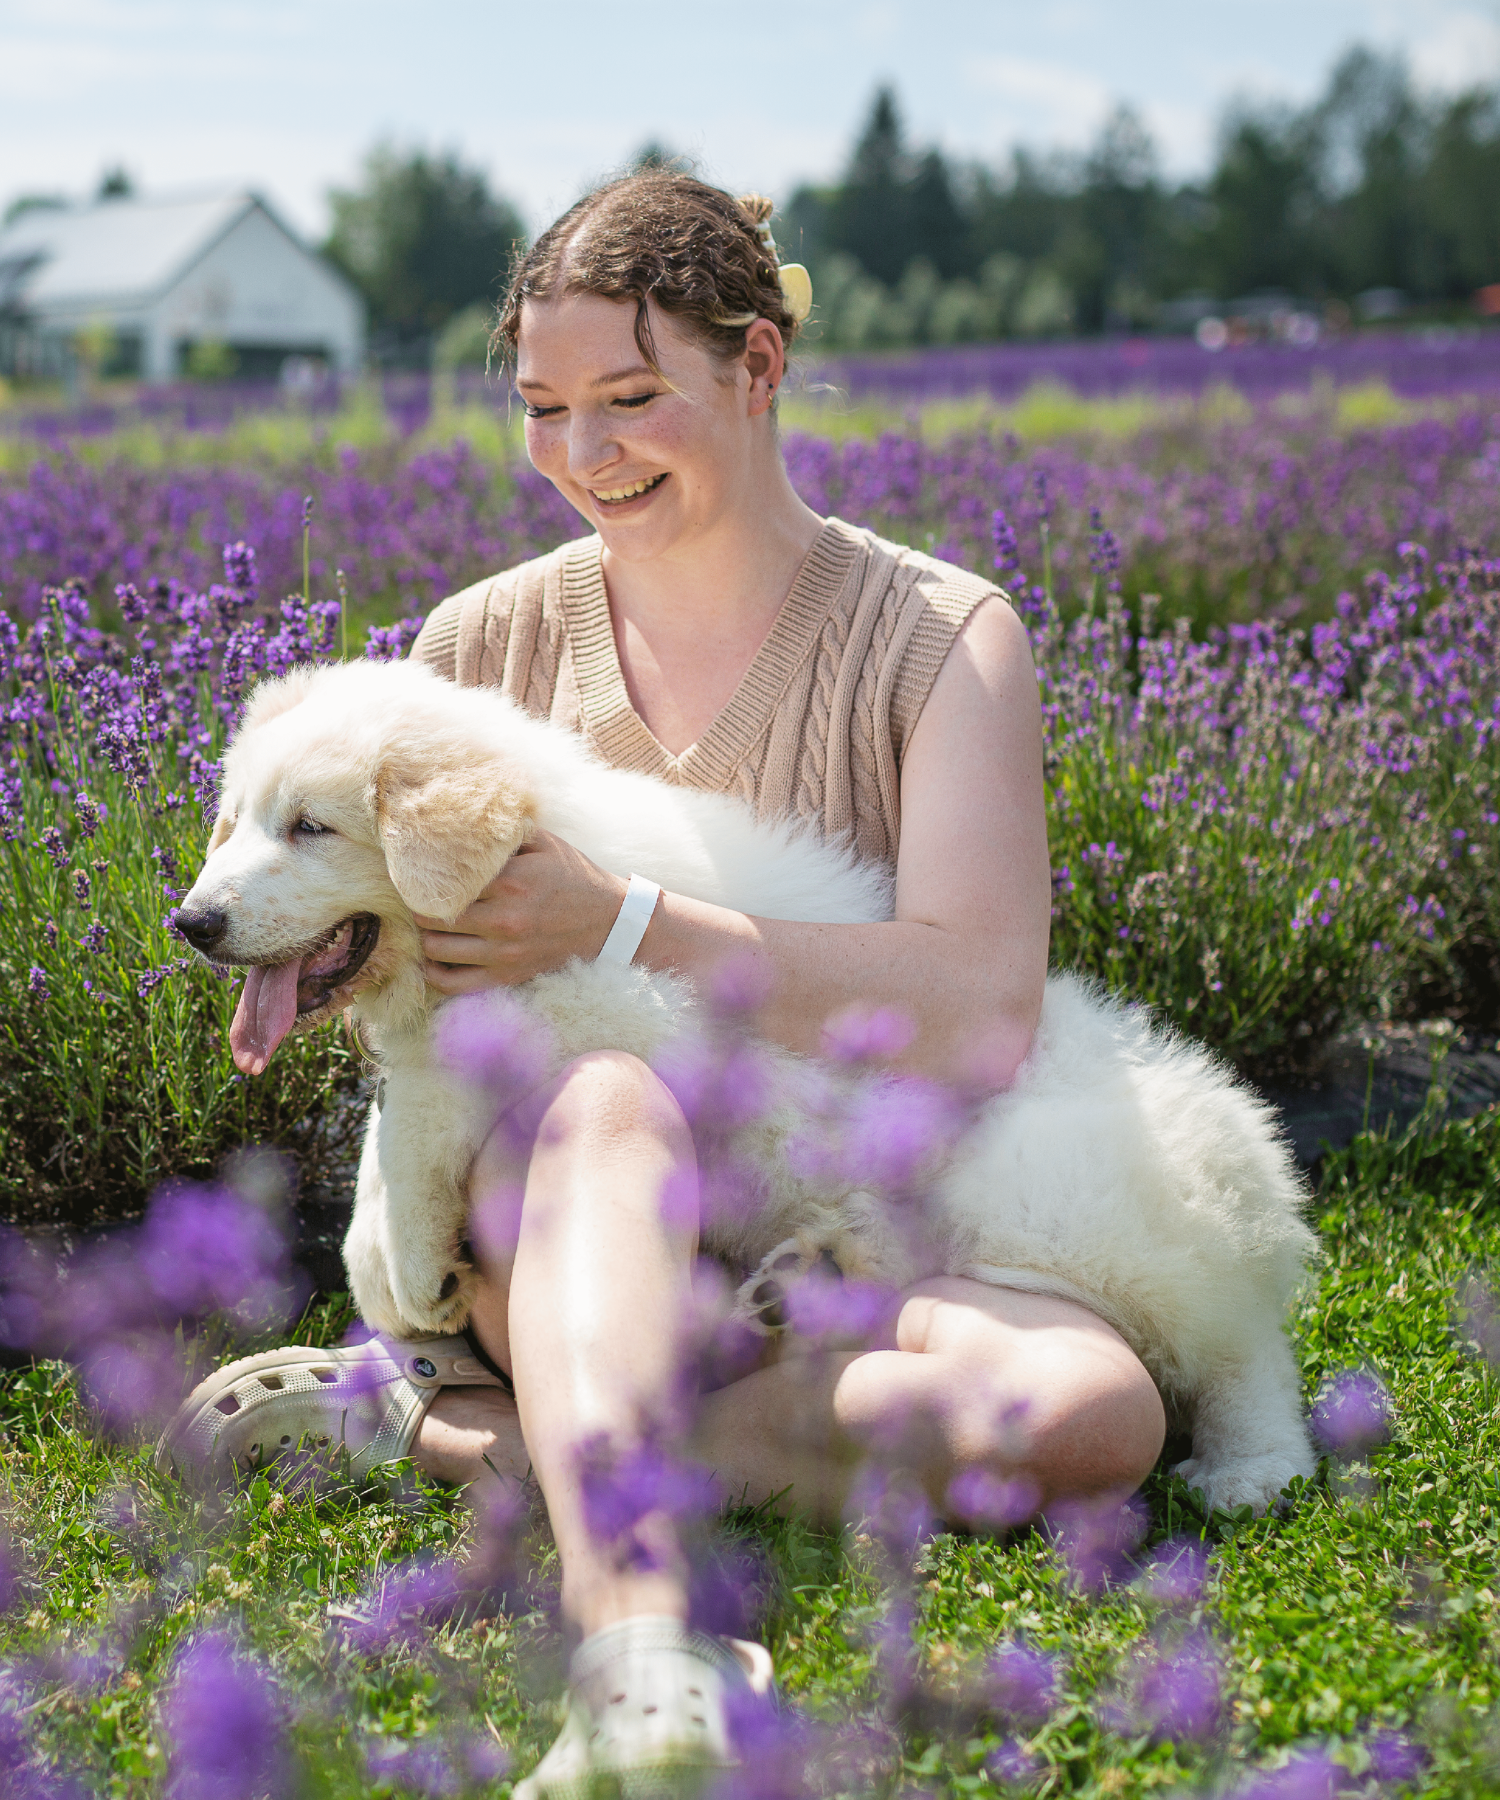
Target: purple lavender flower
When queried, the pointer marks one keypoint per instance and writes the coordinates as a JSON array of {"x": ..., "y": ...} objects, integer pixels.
[
  {"x": 166, "y": 862},
  {"x": 621, "y": 1487},
  {"x": 239, "y": 570},
  {"x": 1007, "y": 548},
  {"x": 864, "y": 1034},
  {"x": 86, "y": 812},
  {"x": 891, "y": 1507},
  {"x": 225, "y": 1725},
  {"x": 49, "y": 934},
  {"x": 1011, "y": 1764},
  {"x": 397, "y": 1609},
  {"x": 1352, "y": 1414},
  {"x": 389, "y": 643},
  {"x": 36, "y": 984},
  {"x": 51, "y": 841},
  {"x": 82, "y": 888},
  {"x": 1177, "y": 1574},
  {"x": 1178, "y": 1694},
  {"x": 1312, "y": 1775},
  {"x": 857, "y": 1311},
  {"x": 207, "y": 1249},
  {"x": 95, "y": 938},
  {"x": 1395, "y": 1760},
  {"x": 980, "y": 1498},
  {"x": 132, "y": 607},
  {"x": 1095, "y": 1539},
  {"x": 134, "y": 1381},
  {"x": 494, "y": 1041},
  {"x": 740, "y": 985},
  {"x": 1022, "y": 1684}
]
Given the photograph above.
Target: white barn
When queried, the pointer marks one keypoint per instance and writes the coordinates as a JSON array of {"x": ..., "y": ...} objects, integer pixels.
[{"x": 157, "y": 278}]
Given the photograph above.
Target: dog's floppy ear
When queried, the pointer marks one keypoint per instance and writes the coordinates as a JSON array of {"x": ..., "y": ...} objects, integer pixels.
[
  {"x": 223, "y": 826},
  {"x": 446, "y": 832}
]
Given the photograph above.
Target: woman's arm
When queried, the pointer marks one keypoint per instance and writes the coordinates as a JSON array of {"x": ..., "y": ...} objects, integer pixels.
[{"x": 966, "y": 954}]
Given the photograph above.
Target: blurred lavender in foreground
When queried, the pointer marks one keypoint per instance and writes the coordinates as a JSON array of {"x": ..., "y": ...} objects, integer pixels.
[
  {"x": 1177, "y": 1574},
  {"x": 1352, "y": 1414},
  {"x": 1095, "y": 1539},
  {"x": 115, "y": 1304},
  {"x": 225, "y": 1725}
]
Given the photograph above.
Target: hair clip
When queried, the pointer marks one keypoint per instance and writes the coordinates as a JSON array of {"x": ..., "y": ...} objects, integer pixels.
[{"x": 796, "y": 290}]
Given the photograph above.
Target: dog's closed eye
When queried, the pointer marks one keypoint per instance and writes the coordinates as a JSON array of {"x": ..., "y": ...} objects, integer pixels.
[{"x": 310, "y": 828}]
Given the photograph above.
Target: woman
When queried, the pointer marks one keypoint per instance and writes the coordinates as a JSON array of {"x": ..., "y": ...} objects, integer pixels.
[{"x": 716, "y": 632}]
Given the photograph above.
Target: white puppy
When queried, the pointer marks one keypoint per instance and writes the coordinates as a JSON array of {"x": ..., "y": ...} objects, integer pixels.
[{"x": 1123, "y": 1168}]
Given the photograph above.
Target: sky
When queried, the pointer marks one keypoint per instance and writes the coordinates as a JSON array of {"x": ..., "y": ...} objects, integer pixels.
[{"x": 285, "y": 96}]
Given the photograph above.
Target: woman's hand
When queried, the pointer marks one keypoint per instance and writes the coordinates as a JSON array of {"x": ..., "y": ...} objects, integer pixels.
[{"x": 548, "y": 903}]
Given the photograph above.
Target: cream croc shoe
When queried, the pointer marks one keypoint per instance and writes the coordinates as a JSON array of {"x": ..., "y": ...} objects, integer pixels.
[
  {"x": 369, "y": 1397},
  {"x": 647, "y": 1704}
]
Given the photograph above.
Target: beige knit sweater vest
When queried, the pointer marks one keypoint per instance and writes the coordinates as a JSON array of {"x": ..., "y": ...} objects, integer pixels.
[{"x": 817, "y": 727}]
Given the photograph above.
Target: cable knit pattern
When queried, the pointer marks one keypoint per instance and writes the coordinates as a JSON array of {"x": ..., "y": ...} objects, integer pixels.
[{"x": 819, "y": 724}]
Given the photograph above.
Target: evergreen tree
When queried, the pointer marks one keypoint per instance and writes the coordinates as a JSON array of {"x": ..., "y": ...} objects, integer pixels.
[{"x": 870, "y": 216}]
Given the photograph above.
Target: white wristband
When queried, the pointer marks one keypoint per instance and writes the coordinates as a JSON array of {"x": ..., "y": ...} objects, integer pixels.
[{"x": 631, "y": 921}]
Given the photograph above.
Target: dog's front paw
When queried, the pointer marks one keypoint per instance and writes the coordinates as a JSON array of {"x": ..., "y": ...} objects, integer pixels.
[
  {"x": 1255, "y": 1481},
  {"x": 435, "y": 1291},
  {"x": 760, "y": 1301}
]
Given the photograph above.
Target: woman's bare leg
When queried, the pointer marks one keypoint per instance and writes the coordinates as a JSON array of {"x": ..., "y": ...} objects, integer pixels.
[
  {"x": 980, "y": 1377},
  {"x": 598, "y": 1293}
]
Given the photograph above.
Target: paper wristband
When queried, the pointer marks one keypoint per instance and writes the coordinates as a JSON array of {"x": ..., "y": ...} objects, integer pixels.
[{"x": 631, "y": 921}]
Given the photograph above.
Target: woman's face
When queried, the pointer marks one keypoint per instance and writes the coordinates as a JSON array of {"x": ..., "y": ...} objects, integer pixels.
[{"x": 651, "y": 466}]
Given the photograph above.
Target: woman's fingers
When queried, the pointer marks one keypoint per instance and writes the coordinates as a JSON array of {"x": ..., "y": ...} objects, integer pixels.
[
  {"x": 449, "y": 978},
  {"x": 457, "y": 947}
]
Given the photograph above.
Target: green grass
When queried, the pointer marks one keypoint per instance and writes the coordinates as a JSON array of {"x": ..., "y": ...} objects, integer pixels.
[{"x": 1373, "y": 1604}]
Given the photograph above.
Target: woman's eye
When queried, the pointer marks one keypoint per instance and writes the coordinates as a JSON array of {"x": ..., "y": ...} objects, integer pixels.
[
  {"x": 634, "y": 399},
  {"x": 539, "y": 412},
  {"x": 310, "y": 828}
]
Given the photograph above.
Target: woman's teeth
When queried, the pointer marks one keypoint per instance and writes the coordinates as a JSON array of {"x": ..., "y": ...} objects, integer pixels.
[{"x": 615, "y": 495}]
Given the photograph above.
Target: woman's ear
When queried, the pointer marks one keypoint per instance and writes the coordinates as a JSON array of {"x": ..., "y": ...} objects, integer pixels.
[
  {"x": 765, "y": 358},
  {"x": 446, "y": 832}
]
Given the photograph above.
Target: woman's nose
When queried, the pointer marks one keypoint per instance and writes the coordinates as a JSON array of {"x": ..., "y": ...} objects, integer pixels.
[{"x": 591, "y": 447}]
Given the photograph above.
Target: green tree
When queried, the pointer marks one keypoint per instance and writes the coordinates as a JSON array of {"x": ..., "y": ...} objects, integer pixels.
[
  {"x": 423, "y": 237},
  {"x": 869, "y": 218}
]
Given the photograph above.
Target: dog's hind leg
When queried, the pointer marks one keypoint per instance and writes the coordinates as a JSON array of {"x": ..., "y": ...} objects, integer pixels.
[{"x": 1249, "y": 1436}]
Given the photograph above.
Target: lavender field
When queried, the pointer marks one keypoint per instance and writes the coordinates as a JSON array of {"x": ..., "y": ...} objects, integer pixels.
[{"x": 1234, "y": 500}]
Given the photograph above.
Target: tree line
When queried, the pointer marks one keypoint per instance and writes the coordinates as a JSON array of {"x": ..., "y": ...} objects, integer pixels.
[{"x": 1372, "y": 191}]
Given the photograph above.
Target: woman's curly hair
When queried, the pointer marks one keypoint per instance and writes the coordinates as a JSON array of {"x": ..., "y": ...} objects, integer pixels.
[{"x": 664, "y": 236}]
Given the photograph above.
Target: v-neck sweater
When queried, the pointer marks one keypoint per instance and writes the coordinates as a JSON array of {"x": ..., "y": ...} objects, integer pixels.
[{"x": 820, "y": 721}]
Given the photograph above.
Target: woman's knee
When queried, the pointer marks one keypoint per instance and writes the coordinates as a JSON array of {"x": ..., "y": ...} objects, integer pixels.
[
  {"x": 612, "y": 1096},
  {"x": 1093, "y": 1423}
]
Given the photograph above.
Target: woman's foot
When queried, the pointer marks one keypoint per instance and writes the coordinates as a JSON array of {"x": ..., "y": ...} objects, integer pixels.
[
  {"x": 369, "y": 1398},
  {"x": 651, "y": 1708}
]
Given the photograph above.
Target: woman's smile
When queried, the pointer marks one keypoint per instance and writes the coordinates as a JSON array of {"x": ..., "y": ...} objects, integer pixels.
[{"x": 628, "y": 493}]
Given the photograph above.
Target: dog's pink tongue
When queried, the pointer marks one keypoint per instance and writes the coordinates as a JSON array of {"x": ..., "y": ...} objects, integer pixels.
[{"x": 266, "y": 1013}]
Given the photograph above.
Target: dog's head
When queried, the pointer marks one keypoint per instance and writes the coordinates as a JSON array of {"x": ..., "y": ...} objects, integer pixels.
[{"x": 352, "y": 797}]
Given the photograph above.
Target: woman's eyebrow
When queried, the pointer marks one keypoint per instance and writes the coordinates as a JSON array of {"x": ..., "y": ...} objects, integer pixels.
[
  {"x": 600, "y": 381},
  {"x": 622, "y": 375}
]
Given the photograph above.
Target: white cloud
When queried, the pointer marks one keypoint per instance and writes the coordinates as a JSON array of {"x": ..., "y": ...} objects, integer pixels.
[
  {"x": 1049, "y": 102},
  {"x": 1462, "y": 52}
]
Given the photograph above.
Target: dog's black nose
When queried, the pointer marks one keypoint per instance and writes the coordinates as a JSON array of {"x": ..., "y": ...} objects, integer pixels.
[{"x": 202, "y": 929}]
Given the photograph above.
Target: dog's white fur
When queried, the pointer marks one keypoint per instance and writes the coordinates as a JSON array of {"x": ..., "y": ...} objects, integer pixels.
[{"x": 1124, "y": 1168}]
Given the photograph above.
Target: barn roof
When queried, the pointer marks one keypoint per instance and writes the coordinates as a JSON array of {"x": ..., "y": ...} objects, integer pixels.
[{"x": 112, "y": 252}]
